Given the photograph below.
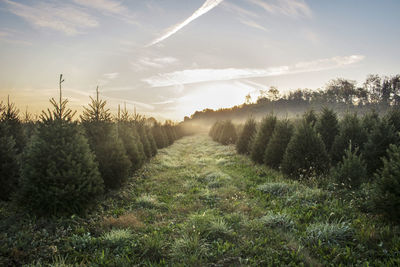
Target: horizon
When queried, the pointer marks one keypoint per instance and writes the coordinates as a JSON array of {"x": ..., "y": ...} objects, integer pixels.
[{"x": 184, "y": 60}]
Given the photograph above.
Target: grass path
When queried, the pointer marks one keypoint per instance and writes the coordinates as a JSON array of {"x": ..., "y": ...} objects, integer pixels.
[{"x": 199, "y": 203}]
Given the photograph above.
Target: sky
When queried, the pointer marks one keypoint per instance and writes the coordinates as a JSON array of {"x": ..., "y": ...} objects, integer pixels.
[{"x": 169, "y": 58}]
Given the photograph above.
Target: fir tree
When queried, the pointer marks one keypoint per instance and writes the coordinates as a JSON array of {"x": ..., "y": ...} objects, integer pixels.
[
  {"x": 262, "y": 138},
  {"x": 350, "y": 130},
  {"x": 159, "y": 135},
  {"x": 305, "y": 154},
  {"x": 59, "y": 174},
  {"x": 247, "y": 134},
  {"x": 327, "y": 126},
  {"x": 227, "y": 133},
  {"x": 14, "y": 127},
  {"x": 370, "y": 121},
  {"x": 351, "y": 171},
  {"x": 379, "y": 140},
  {"x": 310, "y": 117},
  {"x": 277, "y": 145},
  {"x": 9, "y": 164},
  {"x": 114, "y": 164},
  {"x": 387, "y": 191},
  {"x": 393, "y": 117}
]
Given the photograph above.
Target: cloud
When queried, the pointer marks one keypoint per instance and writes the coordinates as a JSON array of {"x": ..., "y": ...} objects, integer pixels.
[
  {"x": 145, "y": 63},
  {"x": 207, "y": 75},
  {"x": 291, "y": 8},
  {"x": 109, "y": 7},
  {"x": 61, "y": 17},
  {"x": 253, "y": 24},
  {"x": 246, "y": 17},
  {"x": 206, "y": 7},
  {"x": 111, "y": 76}
]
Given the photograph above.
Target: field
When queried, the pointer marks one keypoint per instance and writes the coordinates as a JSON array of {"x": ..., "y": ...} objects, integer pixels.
[{"x": 199, "y": 203}]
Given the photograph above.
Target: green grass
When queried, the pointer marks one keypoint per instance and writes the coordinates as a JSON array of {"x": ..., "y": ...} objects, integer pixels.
[{"x": 198, "y": 203}]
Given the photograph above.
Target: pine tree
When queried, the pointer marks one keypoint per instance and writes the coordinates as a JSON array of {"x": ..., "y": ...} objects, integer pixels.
[
  {"x": 351, "y": 171},
  {"x": 305, "y": 154},
  {"x": 327, "y": 126},
  {"x": 350, "y": 130},
  {"x": 114, "y": 164},
  {"x": 387, "y": 190},
  {"x": 310, "y": 117},
  {"x": 379, "y": 140},
  {"x": 277, "y": 145},
  {"x": 152, "y": 141},
  {"x": 262, "y": 138},
  {"x": 14, "y": 127},
  {"x": 370, "y": 121},
  {"x": 393, "y": 117},
  {"x": 228, "y": 133},
  {"x": 215, "y": 130},
  {"x": 159, "y": 135},
  {"x": 59, "y": 174},
  {"x": 247, "y": 134},
  {"x": 9, "y": 164}
]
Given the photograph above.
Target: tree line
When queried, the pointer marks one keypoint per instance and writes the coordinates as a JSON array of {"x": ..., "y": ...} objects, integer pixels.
[
  {"x": 58, "y": 165},
  {"x": 354, "y": 156},
  {"x": 341, "y": 95}
]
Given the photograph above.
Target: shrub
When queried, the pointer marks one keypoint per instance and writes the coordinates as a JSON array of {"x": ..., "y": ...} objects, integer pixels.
[
  {"x": 9, "y": 164},
  {"x": 305, "y": 154},
  {"x": 328, "y": 127},
  {"x": 261, "y": 140},
  {"x": 278, "y": 143},
  {"x": 227, "y": 134},
  {"x": 387, "y": 190},
  {"x": 215, "y": 130},
  {"x": 379, "y": 140},
  {"x": 249, "y": 130},
  {"x": 350, "y": 130},
  {"x": 351, "y": 171},
  {"x": 59, "y": 174}
]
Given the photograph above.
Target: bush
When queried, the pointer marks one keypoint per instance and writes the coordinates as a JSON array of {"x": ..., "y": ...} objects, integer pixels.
[
  {"x": 379, "y": 140},
  {"x": 350, "y": 130},
  {"x": 9, "y": 164},
  {"x": 249, "y": 130},
  {"x": 305, "y": 154},
  {"x": 328, "y": 127},
  {"x": 351, "y": 171},
  {"x": 387, "y": 190},
  {"x": 215, "y": 130},
  {"x": 278, "y": 143},
  {"x": 59, "y": 174},
  {"x": 261, "y": 140},
  {"x": 227, "y": 133}
]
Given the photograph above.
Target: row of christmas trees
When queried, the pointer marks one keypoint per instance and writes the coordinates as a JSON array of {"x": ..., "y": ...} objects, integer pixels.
[
  {"x": 347, "y": 152},
  {"x": 59, "y": 166}
]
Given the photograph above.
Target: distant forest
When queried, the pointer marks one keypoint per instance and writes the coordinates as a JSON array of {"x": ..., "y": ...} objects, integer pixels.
[{"x": 341, "y": 95}]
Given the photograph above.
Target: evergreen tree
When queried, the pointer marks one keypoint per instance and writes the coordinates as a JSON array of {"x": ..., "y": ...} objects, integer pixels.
[
  {"x": 379, "y": 140},
  {"x": 159, "y": 135},
  {"x": 305, "y": 154},
  {"x": 215, "y": 130},
  {"x": 145, "y": 141},
  {"x": 310, "y": 117},
  {"x": 9, "y": 164},
  {"x": 387, "y": 191},
  {"x": 351, "y": 171},
  {"x": 59, "y": 174},
  {"x": 393, "y": 117},
  {"x": 114, "y": 164},
  {"x": 249, "y": 130},
  {"x": 14, "y": 127},
  {"x": 261, "y": 139},
  {"x": 370, "y": 121},
  {"x": 227, "y": 134},
  {"x": 350, "y": 130},
  {"x": 327, "y": 126},
  {"x": 152, "y": 141},
  {"x": 277, "y": 145}
]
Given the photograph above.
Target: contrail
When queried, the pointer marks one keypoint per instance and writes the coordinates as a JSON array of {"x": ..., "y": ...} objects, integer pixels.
[{"x": 207, "y": 6}]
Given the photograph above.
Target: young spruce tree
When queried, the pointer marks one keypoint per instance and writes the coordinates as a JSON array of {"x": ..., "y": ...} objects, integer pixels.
[
  {"x": 262, "y": 138},
  {"x": 327, "y": 126},
  {"x": 247, "y": 134},
  {"x": 114, "y": 164},
  {"x": 59, "y": 172}
]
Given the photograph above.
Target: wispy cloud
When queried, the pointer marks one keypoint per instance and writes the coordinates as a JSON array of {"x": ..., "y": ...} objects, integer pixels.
[
  {"x": 61, "y": 17},
  {"x": 206, "y": 7},
  {"x": 253, "y": 24},
  {"x": 245, "y": 16},
  {"x": 291, "y": 8},
  {"x": 145, "y": 63},
  {"x": 109, "y": 7},
  {"x": 207, "y": 75},
  {"x": 111, "y": 76}
]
